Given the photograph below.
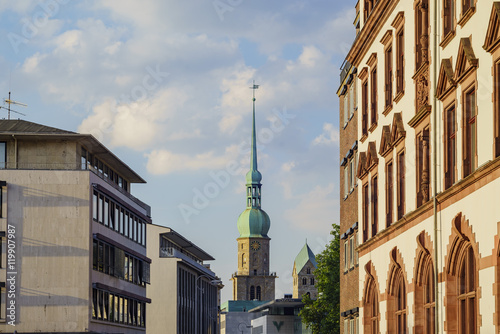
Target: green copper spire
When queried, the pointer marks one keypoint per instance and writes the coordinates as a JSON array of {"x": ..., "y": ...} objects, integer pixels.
[
  {"x": 253, "y": 175},
  {"x": 253, "y": 222}
]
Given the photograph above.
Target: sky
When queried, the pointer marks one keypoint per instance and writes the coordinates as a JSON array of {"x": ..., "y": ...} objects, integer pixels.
[{"x": 165, "y": 85}]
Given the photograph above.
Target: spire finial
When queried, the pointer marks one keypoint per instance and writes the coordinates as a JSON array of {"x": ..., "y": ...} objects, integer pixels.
[{"x": 253, "y": 159}]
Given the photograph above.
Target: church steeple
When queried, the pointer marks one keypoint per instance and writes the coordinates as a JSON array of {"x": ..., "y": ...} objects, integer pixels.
[
  {"x": 253, "y": 176},
  {"x": 253, "y": 222},
  {"x": 253, "y": 280}
]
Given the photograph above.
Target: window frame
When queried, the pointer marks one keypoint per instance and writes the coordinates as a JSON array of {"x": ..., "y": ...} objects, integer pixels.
[
  {"x": 450, "y": 162},
  {"x": 389, "y": 193},
  {"x": 374, "y": 204},
  {"x": 469, "y": 132},
  {"x": 401, "y": 184}
]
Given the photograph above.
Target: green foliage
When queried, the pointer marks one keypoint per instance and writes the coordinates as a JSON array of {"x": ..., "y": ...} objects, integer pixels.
[{"x": 322, "y": 316}]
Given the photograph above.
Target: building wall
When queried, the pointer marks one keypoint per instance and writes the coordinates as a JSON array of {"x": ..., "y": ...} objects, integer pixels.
[
  {"x": 49, "y": 211},
  {"x": 41, "y": 154},
  {"x": 349, "y": 270},
  {"x": 299, "y": 288},
  {"x": 253, "y": 270},
  {"x": 466, "y": 218},
  {"x": 162, "y": 317}
]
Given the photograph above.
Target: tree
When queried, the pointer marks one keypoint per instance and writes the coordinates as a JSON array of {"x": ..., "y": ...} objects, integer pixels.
[{"x": 322, "y": 315}]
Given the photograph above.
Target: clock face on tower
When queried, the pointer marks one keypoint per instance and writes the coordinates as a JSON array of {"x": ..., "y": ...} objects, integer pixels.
[{"x": 255, "y": 245}]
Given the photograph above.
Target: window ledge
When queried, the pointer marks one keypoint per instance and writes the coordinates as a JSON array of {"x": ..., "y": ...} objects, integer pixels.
[
  {"x": 466, "y": 16},
  {"x": 373, "y": 127},
  {"x": 447, "y": 39},
  {"x": 399, "y": 95},
  {"x": 387, "y": 110},
  {"x": 363, "y": 137}
]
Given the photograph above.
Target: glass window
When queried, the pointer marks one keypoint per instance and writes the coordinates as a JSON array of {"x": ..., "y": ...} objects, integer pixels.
[
  {"x": 94, "y": 206},
  {"x": 106, "y": 212},
  {"x": 84, "y": 159}
]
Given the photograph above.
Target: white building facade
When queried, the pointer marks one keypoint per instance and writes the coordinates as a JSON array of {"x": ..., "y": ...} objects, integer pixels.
[{"x": 428, "y": 169}]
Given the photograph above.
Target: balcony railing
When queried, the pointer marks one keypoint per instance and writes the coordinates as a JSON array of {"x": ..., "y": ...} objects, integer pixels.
[{"x": 265, "y": 273}]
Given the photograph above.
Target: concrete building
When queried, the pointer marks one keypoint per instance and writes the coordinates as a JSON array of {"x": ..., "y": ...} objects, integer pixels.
[
  {"x": 73, "y": 238},
  {"x": 428, "y": 168},
  {"x": 253, "y": 280},
  {"x": 303, "y": 274},
  {"x": 235, "y": 317},
  {"x": 184, "y": 292},
  {"x": 279, "y": 316}
]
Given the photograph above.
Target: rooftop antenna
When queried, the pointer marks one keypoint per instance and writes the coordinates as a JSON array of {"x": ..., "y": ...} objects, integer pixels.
[{"x": 9, "y": 102}]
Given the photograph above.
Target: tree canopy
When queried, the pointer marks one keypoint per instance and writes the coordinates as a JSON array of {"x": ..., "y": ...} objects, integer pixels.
[{"x": 322, "y": 315}]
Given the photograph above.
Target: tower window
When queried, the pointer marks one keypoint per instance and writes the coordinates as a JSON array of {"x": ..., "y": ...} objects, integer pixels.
[
  {"x": 255, "y": 272},
  {"x": 252, "y": 292},
  {"x": 258, "y": 293}
]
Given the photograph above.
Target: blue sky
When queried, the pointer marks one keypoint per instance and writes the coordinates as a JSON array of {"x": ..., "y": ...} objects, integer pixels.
[{"x": 165, "y": 85}]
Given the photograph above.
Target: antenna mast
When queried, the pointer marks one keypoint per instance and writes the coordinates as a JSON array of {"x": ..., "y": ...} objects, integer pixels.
[{"x": 9, "y": 102}]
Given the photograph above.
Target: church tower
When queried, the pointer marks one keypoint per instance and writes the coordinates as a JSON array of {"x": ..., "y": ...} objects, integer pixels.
[
  {"x": 303, "y": 273},
  {"x": 253, "y": 281}
]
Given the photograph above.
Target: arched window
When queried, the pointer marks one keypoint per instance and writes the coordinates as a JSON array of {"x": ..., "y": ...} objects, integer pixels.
[
  {"x": 258, "y": 293},
  {"x": 429, "y": 299},
  {"x": 400, "y": 306},
  {"x": 372, "y": 310},
  {"x": 308, "y": 270},
  {"x": 396, "y": 295},
  {"x": 304, "y": 281},
  {"x": 461, "y": 279},
  {"x": 425, "y": 293},
  {"x": 243, "y": 262},
  {"x": 312, "y": 280},
  {"x": 252, "y": 292},
  {"x": 467, "y": 292}
]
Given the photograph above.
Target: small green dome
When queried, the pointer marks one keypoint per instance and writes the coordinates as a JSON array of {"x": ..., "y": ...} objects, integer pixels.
[
  {"x": 253, "y": 176},
  {"x": 253, "y": 223}
]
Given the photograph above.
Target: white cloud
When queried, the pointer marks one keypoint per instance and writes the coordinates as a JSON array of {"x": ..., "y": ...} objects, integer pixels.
[
  {"x": 329, "y": 136},
  {"x": 315, "y": 210},
  {"x": 288, "y": 166},
  {"x": 235, "y": 101},
  {"x": 310, "y": 55},
  {"x": 167, "y": 162},
  {"x": 136, "y": 125}
]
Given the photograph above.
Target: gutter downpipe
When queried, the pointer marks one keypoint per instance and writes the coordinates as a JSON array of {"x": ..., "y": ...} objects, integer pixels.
[{"x": 434, "y": 153}]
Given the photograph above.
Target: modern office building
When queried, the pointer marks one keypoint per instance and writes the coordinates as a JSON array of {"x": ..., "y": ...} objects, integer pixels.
[
  {"x": 428, "y": 170},
  {"x": 184, "y": 292},
  {"x": 73, "y": 238}
]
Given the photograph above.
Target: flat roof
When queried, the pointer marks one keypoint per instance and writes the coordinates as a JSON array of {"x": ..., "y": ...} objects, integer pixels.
[
  {"x": 283, "y": 302},
  {"x": 178, "y": 239},
  {"x": 38, "y": 132}
]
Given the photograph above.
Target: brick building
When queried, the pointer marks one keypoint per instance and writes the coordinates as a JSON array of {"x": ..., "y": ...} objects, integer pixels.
[{"x": 348, "y": 147}]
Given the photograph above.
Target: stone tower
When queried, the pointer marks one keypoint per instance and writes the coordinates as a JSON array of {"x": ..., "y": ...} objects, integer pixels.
[
  {"x": 303, "y": 274},
  {"x": 253, "y": 281}
]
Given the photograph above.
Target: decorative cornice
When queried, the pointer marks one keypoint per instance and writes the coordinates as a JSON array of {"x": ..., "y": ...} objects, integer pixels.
[
  {"x": 370, "y": 30},
  {"x": 424, "y": 111}
]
